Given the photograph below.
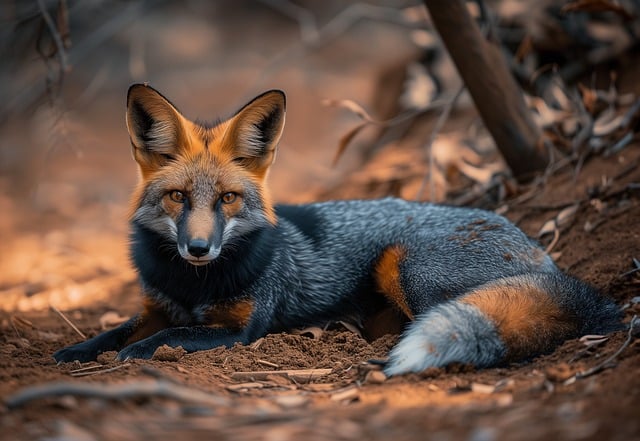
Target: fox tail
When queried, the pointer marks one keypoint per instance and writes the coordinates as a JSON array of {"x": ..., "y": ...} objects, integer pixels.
[{"x": 506, "y": 320}]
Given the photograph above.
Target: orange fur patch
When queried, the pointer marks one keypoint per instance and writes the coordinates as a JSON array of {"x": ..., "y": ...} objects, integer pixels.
[
  {"x": 213, "y": 150},
  {"x": 527, "y": 319},
  {"x": 231, "y": 315},
  {"x": 387, "y": 276},
  {"x": 151, "y": 320}
]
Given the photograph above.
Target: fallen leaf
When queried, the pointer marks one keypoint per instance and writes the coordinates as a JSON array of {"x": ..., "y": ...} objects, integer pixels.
[
  {"x": 566, "y": 215},
  {"x": 548, "y": 227},
  {"x": 593, "y": 340},
  {"x": 312, "y": 331}
]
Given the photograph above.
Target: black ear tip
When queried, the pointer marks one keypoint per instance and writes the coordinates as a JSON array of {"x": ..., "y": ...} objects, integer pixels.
[
  {"x": 135, "y": 87},
  {"x": 277, "y": 92},
  {"x": 282, "y": 94}
]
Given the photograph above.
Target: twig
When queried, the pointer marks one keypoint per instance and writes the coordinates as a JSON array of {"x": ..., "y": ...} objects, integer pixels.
[
  {"x": 628, "y": 273},
  {"x": 446, "y": 111},
  {"x": 74, "y": 327},
  {"x": 267, "y": 363},
  {"x": 57, "y": 39},
  {"x": 354, "y": 107},
  {"x": 101, "y": 371},
  {"x": 554, "y": 241},
  {"x": 293, "y": 374},
  {"x": 607, "y": 363},
  {"x": 87, "y": 368},
  {"x": 115, "y": 392}
]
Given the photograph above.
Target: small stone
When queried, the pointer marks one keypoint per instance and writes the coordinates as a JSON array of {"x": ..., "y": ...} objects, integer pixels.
[{"x": 375, "y": 377}]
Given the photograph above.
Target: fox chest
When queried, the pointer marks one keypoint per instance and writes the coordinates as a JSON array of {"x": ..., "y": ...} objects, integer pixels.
[{"x": 228, "y": 314}]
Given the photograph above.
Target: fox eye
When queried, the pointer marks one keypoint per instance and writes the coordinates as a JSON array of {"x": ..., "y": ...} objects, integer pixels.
[
  {"x": 229, "y": 197},
  {"x": 177, "y": 196}
]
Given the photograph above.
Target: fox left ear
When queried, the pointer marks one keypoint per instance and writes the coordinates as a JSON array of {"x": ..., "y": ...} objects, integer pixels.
[
  {"x": 156, "y": 128},
  {"x": 256, "y": 130}
]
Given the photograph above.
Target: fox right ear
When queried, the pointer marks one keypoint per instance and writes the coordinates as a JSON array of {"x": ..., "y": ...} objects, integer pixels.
[{"x": 155, "y": 127}]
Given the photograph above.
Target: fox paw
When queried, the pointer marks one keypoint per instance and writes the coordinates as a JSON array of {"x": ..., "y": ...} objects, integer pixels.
[
  {"x": 450, "y": 332},
  {"x": 81, "y": 352},
  {"x": 143, "y": 349}
]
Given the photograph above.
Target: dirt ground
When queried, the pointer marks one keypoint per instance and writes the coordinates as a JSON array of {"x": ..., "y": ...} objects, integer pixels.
[{"x": 65, "y": 247}]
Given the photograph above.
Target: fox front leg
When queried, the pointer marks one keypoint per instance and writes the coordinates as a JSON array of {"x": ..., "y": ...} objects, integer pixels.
[
  {"x": 192, "y": 339},
  {"x": 238, "y": 320},
  {"x": 139, "y": 327},
  {"x": 88, "y": 350}
]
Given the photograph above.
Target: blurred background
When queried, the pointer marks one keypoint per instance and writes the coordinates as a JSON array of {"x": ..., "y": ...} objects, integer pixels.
[{"x": 66, "y": 171}]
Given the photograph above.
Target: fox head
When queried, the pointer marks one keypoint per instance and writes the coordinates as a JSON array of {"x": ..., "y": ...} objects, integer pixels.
[{"x": 202, "y": 186}]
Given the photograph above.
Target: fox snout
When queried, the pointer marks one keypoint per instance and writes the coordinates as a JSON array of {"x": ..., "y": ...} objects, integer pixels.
[
  {"x": 198, "y": 251},
  {"x": 198, "y": 247},
  {"x": 199, "y": 238}
]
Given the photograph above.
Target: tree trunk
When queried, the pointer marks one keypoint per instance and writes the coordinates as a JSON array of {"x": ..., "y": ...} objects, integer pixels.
[{"x": 495, "y": 92}]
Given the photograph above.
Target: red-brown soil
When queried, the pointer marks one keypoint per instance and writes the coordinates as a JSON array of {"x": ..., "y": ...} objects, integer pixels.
[{"x": 66, "y": 246}]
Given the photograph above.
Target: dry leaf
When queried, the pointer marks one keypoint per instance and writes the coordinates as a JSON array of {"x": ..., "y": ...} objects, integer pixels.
[
  {"x": 563, "y": 218},
  {"x": 593, "y": 340},
  {"x": 349, "y": 105},
  {"x": 548, "y": 228},
  {"x": 607, "y": 124},
  {"x": 566, "y": 215},
  {"x": 312, "y": 331},
  {"x": 346, "y": 140}
]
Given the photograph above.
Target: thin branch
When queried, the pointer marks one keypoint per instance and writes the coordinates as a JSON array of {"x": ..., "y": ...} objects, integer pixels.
[
  {"x": 607, "y": 363},
  {"x": 305, "y": 375},
  {"x": 55, "y": 35},
  {"x": 68, "y": 322},
  {"x": 87, "y": 373}
]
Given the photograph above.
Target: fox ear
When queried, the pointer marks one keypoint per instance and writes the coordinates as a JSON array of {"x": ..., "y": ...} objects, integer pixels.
[
  {"x": 254, "y": 131},
  {"x": 155, "y": 127}
]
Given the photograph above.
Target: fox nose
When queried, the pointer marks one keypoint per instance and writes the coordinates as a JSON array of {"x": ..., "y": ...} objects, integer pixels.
[{"x": 198, "y": 247}]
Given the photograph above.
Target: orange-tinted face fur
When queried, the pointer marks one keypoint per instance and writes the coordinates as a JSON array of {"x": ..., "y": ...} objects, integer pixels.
[{"x": 202, "y": 187}]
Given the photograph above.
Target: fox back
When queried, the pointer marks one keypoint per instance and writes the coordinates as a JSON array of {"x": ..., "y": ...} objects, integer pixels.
[{"x": 220, "y": 264}]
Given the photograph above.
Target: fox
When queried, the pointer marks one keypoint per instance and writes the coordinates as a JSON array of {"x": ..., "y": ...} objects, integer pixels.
[{"x": 219, "y": 263}]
